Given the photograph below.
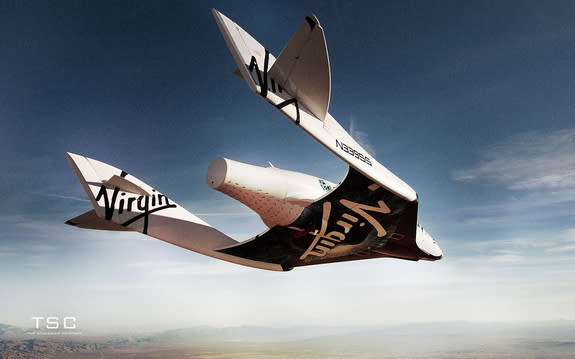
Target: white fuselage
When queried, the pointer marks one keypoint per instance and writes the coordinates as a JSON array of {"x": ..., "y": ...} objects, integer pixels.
[{"x": 277, "y": 196}]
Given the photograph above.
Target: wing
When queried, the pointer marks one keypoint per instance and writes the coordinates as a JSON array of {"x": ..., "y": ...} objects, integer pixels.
[
  {"x": 130, "y": 204},
  {"x": 357, "y": 220},
  {"x": 301, "y": 101}
]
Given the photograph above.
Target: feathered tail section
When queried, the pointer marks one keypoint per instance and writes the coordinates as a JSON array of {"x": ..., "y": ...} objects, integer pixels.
[
  {"x": 298, "y": 84},
  {"x": 122, "y": 202},
  {"x": 302, "y": 68},
  {"x": 298, "y": 80}
]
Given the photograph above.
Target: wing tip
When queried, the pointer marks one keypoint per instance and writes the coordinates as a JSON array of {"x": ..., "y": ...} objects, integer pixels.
[
  {"x": 312, "y": 20},
  {"x": 72, "y": 156}
]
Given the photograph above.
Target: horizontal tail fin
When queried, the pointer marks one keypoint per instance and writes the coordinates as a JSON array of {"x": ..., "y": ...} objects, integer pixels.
[
  {"x": 91, "y": 220},
  {"x": 125, "y": 185}
]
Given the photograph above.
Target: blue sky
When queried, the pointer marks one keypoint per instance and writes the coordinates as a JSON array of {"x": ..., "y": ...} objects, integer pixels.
[{"x": 470, "y": 103}]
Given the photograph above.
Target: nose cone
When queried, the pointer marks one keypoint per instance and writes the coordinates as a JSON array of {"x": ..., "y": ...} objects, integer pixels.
[{"x": 427, "y": 244}]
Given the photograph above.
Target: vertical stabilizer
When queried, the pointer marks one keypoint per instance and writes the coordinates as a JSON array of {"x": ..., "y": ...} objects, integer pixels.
[
  {"x": 245, "y": 49},
  {"x": 303, "y": 70}
]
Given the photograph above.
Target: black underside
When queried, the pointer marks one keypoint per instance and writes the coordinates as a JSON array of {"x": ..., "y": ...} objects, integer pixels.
[{"x": 350, "y": 223}]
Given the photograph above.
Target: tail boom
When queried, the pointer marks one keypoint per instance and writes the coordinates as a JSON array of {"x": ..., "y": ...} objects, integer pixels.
[{"x": 117, "y": 209}]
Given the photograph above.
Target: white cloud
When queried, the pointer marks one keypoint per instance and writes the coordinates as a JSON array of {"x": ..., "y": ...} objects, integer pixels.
[
  {"x": 529, "y": 243},
  {"x": 529, "y": 161},
  {"x": 562, "y": 249},
  {"x": 520, "y": 208},
  {"x": 506, "y": 258},
  {"x": 212, "y": 267},
  {"x": 73, "y": 198},
  {"x": 360, "y": 136},
  {"x": 537, "y": 170},
  {"x": 565, "y": 243}
]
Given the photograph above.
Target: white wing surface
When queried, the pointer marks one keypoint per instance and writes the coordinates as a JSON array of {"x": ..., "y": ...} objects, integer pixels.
[
  {"x": 258, "y": 68},
  {"x": 303, "y": 68},
  {"x": 117, "y": 208}
]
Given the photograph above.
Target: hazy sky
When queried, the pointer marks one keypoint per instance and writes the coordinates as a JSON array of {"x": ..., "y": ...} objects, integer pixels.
[{"x": 471, "y": 103}]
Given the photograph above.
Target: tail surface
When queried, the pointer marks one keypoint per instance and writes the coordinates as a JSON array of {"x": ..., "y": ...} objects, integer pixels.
[
  {"x": 122, "y": 202},
  {"x": 298, "y": 84}
]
